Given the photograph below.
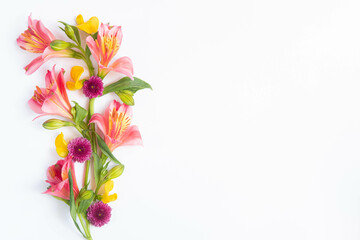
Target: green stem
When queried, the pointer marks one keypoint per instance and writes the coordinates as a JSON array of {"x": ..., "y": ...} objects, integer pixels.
[
  {"x": 85, "y": 225},
  {"x": 79, "y": 129},
  {"x": 92, "y": 136},
  {"x": 86, "y": 60},
  {"x": 87, "y": 168}
]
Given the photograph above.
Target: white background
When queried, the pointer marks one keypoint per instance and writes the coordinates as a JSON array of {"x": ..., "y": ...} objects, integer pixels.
[{"x": 252, "y": 131}]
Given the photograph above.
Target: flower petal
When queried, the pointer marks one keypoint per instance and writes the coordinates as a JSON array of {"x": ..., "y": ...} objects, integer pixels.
[
  {"x": 131, "y": 137},
  {"x": 109, "y": 185},
  {"x": 123, "y": 65},
  {"x": 105, "y": 198},
  {"x": 34, "y": 65},
  {"x": 61, "y": 190},
  {"x": 91, "y": 26},
  {"x": 71, "y": 85},
  {"x": 61, "y": 146},
  {"x": 79, "y": 19},
  {"x": 93, "y": 48},
  {"x": 100, "y": 122},
  {"x": 76, "y": 72}
]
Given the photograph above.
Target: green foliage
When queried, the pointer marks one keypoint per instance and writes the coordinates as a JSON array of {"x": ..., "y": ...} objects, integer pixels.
[
  {"x": 126, "y": 97},
  {"x": 85, "y": 203},
  {"x": 79, "y": 113},
  {"x": 125, "y": 88},
  {"x": 72, "y": 202},
  {"x": 52, "y": 124},
  {"x": 72, "y": 197},
  {"x": 115, "y": 172},
  {"x": 97, "y": 167},
  {"x": 105, "y": 149},
  {"x": 72, "y": 32},
  {"x": 58, "y": 45}
]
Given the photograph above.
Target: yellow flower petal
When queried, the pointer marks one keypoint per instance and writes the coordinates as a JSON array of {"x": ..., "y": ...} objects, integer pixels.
[
  {"x": 109, "y": 185},
  {"x": 76, "y": 72},
  {"x": 106, "y": 198},
  {"x": 79, "y": 19},
  {"x": 79, "y": 84},
  {"x": 112, "y": 197},
  {"x": 61, "y": 145},
  {"x": 91, "y": 26},
  {"x": 70, "y": 85}
]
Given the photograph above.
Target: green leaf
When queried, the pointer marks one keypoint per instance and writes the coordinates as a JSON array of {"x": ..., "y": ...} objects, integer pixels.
[
  {"x": 63, "y": 200},
  {"x": 77, "y": 34},
  {"x": 72, "y": 197},
  {"x": 72, "y": 32},
  {"x": 94, "y": 36},
  {"x": 72, "y": 202},
  {"x": 77, "y": 226},
  {"x": 105, "y": 149},
  {"x": 79, "y": 114},
  {"x": 87, "y": 52},
  {"x": 84, "y": 205},
  {"x": 97, "y": 167},
  {"x": 127, "y": 84},
  {"x": 126, "y": 97}
]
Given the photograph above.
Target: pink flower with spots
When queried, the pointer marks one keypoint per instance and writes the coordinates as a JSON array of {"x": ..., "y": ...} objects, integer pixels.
[
  {"x": 58, "y": 178},
  {"x": 37, "y": 39},
  {"x": 53, "y": 99},
  {"x": 115, "y": 126},
  {"x": 105, "y": 47}
]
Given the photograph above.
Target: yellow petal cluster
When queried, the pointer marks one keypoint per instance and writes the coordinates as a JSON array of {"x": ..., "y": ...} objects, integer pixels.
[
  {"x": 75, "y": 83},
  {"x": 61, "y": 146},
  {"x": 106, "y": 198},
  {"x": 91, "y": 26}
]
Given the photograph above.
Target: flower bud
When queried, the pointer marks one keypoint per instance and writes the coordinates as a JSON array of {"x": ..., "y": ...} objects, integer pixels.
[
  {"x": 69, "y": 31},
  {"x": 53, "y": 124},
  {"x": 115, "y": 172},
  {"x": 126, "y": 97},
  {"x": 58, "y": 45},
  {"x": 85, "y": 195}
]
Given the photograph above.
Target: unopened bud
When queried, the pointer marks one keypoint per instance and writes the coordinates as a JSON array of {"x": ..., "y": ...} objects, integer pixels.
[
  {"x": 69, "y": 31},
  {"x": 58, "y": 45},
  {"x": 115, "y": 172},
  {"x": 53, "y": 124},
  {"x": 85, "y": 195},
  {"x": 126, "y": 97}
]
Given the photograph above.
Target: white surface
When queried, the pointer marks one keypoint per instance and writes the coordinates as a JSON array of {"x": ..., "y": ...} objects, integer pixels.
[{"x": 252, "y": 131}]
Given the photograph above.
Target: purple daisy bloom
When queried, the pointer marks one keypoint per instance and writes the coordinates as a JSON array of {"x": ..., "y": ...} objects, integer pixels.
[
  {"x": 93, "y": 87},
  {"x": 80, "y": 149},
  {"x": 99, "y": 214}
]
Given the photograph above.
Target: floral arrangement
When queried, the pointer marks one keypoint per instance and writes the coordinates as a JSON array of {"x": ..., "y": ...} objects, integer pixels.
[{"x": 99, "y": 134}]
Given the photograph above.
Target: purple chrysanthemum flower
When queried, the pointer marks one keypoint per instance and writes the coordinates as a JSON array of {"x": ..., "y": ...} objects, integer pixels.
[
  {"x": 99, "y": 214},
  {"x": 93, "y": 87},
  {"x": 80, "y": 149}
]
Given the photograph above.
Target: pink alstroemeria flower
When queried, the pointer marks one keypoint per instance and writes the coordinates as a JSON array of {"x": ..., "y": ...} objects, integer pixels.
[
  {"x": 115, "y": 125},
  {"x": 105, "y": 47},
  {"x": 53, "y": 99},
  {"x": 57, "y": 177},
  {"x": 37, "y": 39}
]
